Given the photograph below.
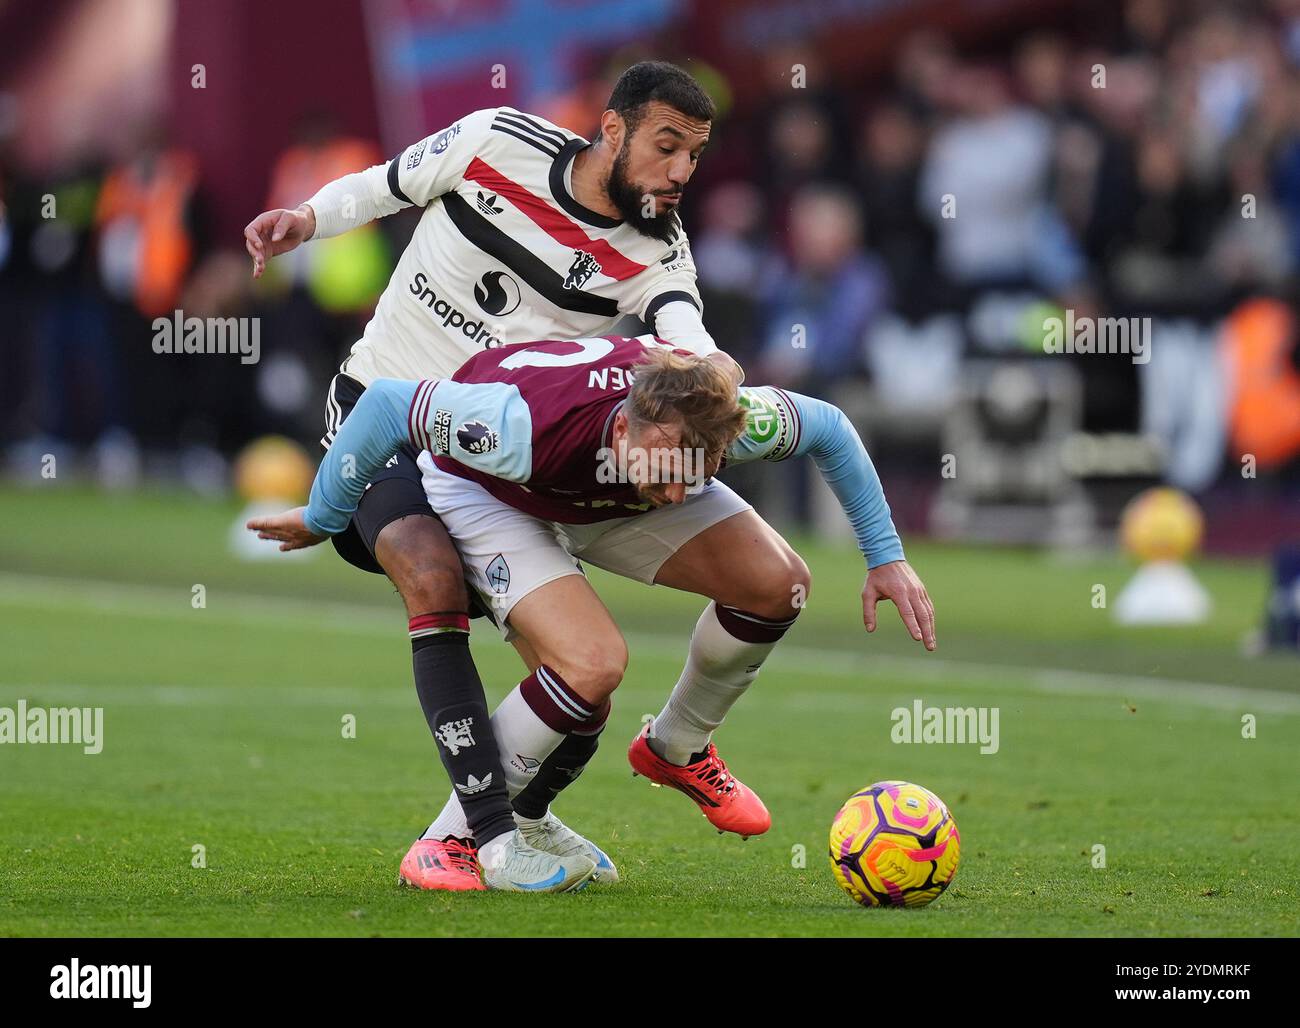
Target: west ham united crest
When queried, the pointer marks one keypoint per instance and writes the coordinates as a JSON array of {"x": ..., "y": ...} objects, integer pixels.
[{"x": 498, "y": 575}]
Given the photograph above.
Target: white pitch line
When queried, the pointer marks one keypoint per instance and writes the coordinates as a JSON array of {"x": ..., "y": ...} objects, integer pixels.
[
  {"x": 221, "y": 606},
  {"x": 944, "y": 671},
  {"x": 278, "y": 612}
]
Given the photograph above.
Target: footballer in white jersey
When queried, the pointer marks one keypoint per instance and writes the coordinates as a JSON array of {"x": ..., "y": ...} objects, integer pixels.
[
  {"x": 528, "y": 232},
  {"x": 503, "y": 252}
]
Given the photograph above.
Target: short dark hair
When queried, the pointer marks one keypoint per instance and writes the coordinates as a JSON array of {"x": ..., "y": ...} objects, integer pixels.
[{"x": 658, "y": 80}]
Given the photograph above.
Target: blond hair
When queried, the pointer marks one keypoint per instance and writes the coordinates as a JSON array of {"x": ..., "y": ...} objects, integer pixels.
[{"x": 670, "y": 388}]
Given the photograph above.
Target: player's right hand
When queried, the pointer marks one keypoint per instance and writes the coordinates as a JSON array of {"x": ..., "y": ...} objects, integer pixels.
[
  {"x": 289, "y": 529},
  {"x": 275, "y": 232}
]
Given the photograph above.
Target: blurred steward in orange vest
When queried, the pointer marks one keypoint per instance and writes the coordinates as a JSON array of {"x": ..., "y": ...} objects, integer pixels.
[
  {"x": 344, "y": 274},
  {"x": 146, "y": 243},
  {"x": 1260, "y": 343}
]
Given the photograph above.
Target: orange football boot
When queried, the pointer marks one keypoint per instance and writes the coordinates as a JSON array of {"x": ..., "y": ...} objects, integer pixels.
[
  {"x": 728, "y": 803},
  {"x": 450, "y": 864}
]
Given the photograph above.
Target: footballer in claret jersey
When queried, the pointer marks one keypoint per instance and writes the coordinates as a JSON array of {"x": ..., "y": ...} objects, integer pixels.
[
  {"x": 529, "y": 455},
  {"x": 528, "y": 231}
]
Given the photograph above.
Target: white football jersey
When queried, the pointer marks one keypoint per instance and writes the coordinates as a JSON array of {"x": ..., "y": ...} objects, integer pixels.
[{"x": 503, "y": 252}]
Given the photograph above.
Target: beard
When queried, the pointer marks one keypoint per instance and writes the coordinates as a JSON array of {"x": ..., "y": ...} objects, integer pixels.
[{"x": 629, "y": 198}]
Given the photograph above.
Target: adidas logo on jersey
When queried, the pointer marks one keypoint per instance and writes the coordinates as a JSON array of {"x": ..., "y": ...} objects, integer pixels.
[
  {"x": 488, "y": 203},
  {"x": 473, "y": 785}
]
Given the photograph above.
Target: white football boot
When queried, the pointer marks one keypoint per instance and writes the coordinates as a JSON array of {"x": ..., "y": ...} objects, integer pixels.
[
  {"x": 551, "y": 835},
  {"x": 513, "y": 865}
]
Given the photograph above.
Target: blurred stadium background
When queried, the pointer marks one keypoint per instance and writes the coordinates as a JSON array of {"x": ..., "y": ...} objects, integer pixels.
[
  {"x": 1127, "y": 158},
  {"x": 1100, "y": 155}
]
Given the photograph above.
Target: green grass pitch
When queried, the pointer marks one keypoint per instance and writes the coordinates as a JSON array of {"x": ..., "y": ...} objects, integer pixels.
[{"x": 223, "y": 729}]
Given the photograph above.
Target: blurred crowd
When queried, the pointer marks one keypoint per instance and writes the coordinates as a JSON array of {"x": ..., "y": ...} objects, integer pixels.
[
  {"x": 863, "y": 241},
  {"x": 1152, "y": 173},
  {"x": 90, "y": 257}
]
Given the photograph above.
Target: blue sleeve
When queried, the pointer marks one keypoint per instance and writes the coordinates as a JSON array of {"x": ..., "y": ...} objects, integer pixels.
[
  {"x": 782, "y": 424},
  {"x": 486, "y": 426},
  {"x": 368, "y": 437}
]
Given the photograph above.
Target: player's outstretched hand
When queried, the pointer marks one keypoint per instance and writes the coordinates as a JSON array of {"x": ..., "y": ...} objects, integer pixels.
[
  {"x": 288, "y": 528},
  {"x": 898, "y": 582},
  {"x": 275, "y": 232}
]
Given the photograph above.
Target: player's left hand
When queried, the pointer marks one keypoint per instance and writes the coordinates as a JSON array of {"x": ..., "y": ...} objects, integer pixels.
[
  {"x": 898, "y": 582},
  {"x": 289, "y": 528}
]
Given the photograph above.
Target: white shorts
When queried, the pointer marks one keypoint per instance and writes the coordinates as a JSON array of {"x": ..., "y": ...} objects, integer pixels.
[{"x": 508, "y": 554}]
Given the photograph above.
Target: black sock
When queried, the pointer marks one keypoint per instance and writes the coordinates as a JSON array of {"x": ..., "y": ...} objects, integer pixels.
[
  {"x": 451, "y": 694},
  {"x": 562, "y": 767}
]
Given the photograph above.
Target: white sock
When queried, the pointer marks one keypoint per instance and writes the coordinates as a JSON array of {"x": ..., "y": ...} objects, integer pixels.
[
  {"x": 528, "y": 724},
  {"x": 719, "y": 668},
  {"x": 450, "y": 822}
]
